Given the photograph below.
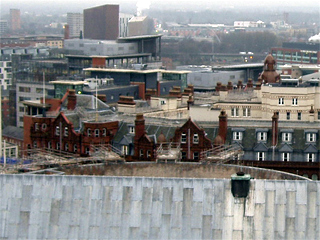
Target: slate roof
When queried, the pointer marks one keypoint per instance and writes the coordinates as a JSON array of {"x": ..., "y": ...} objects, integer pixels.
[{"x": 13, "y": 132}]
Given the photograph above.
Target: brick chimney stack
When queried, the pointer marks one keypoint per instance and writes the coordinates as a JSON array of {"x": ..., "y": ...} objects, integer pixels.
[
  {"x": 139, "y": 126},
  {"x": 275, "y": 130},
  {"x": 223, "y": 125},
  {"x": 72, "y": 99}
]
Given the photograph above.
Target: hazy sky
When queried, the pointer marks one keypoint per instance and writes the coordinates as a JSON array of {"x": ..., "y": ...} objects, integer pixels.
[{"x": 78, "y": 5}]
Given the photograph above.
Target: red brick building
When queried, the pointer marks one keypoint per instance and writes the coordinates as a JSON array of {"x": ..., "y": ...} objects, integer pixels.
[{"x": 192, "y": 141}]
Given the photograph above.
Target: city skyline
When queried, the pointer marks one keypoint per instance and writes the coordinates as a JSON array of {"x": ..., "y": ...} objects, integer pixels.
[{"x": 61, "y": 6}]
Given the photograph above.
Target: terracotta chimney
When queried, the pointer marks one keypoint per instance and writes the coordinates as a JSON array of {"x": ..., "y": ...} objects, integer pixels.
[
  {"x": 218, "y": 86},
  {"x": 230, "y": 86},
  {"x": 275, "y": 130},
  {"x": 240, "y": 85},
  {"x": 250, "y": 84},
  {"x": 72, "y": 99}
]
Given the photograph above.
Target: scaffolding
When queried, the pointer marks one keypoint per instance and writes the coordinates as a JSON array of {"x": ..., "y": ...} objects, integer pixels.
[
  {"x": 222, "y": 154},
  {"x": 168, "y": 152},
  {"x": 36, "y": 159}
]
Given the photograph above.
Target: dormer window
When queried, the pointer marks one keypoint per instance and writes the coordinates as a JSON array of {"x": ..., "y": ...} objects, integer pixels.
[
  {"x": 286, "y": 157},
  {"x": 237, "y": 136},
  {"x": 311, "y": 157},
  {"x": 311, "y": 137},
  {"x": 262, "y": 136},
  {"x": 286, "y": 137}
]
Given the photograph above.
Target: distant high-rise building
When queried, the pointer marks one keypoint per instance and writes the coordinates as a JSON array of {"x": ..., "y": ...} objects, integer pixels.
[
  {"x": 123, "y": 24},
  {"x": 102, "y": 22},
  {"x": 15, "y": 21},
  {"x": 75, "y": 23}
]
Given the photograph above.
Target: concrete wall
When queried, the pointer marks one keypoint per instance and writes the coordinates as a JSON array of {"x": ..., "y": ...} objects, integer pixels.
[{"x": 80, "y": 207}]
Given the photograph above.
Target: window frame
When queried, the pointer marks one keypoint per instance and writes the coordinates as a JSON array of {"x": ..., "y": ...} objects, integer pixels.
[
  {"x": 294, "y": 101},
  {"x": 235, "y": 112},
  {"x": 183, "y": 137},
  {"x": 261, "y": 156},
  {"x": 195, "y": 138},
  {"x": 237, "y": 136},
  {"x": 262, "y": 136},
  {"x": 281, "y": 101},
  {"x": 285, "y": 156},
  {"x": 311, "y": 157},
  {"x": 286, "y": 137},
  {"x": 311, "y": 137}
]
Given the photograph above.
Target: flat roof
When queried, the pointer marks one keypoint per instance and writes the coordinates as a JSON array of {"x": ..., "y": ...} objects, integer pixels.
[
  {"x": 140, "y": 37},
  {"x": 135, "y": 71},
  {"x": 35, "y": 103},
  {"x": 68, "y": 82},
  {"x": 110, "y": 57}
]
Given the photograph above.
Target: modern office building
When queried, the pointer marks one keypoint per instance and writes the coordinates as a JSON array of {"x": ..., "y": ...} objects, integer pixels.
[
  {"x": 75, "y": 22},
  {"x": 123, "y": 24},
  {"x": 102, "y": 22},
  {"x": 15, "y": 20},
  {"x": 297, "y": 53}
]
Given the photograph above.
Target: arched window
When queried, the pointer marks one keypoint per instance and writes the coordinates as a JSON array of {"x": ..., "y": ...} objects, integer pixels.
[
  {"x": 89, "y": 132},
  {"x": 104, "y": 132},
  {"x": 36, "y": 126},
  {"x": 58, "y": 146},
  {"x": 57, "y": 131},
  {"x": 66, "y": 147},
  {"x": 96, "y": 132},
  {"x": 35, "y": 144},
  {"x": 49, "y": 145},
  {"x": 66, "y": 131},
  {"x": 44, "y": 126},
  {"x": 75, "y": 148}
]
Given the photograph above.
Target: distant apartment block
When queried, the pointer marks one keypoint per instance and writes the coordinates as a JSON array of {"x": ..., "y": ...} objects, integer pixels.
[
  {"x": 102, "y": 22},
  {"x": 124, "y": 19},
  {"x": 75, "y": 22},
  {"x": 28, "y": 91},
  {"x": 5, "y": 74},
  {"x": 15, "y": 20},
  {"x": 3, "y": 26}
]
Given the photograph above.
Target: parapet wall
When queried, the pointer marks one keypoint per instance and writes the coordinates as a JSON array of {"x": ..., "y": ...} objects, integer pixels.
[{"x": 85, "y": 207}]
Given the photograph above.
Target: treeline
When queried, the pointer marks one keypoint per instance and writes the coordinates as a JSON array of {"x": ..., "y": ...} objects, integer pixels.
[{"x": 257, "y": 42}]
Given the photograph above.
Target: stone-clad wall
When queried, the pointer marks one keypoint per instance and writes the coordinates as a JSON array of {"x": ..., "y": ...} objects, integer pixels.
[{"x": 81, "y": 207}]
